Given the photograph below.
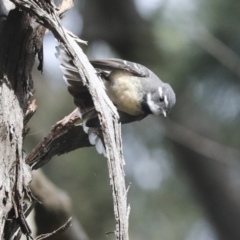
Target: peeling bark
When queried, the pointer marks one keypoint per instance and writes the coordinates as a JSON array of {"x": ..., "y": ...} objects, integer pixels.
[
  {"x": 19, "y": 44},
  {"x": 45, "y": 12},
  {"x": 20, "y": 41}
]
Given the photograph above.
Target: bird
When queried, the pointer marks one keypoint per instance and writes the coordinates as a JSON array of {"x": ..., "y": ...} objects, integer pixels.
[{"x": 134, "y": 89}]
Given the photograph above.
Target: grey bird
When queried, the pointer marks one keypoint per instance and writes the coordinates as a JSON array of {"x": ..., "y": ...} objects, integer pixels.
[{"x": 134, "y": 89}]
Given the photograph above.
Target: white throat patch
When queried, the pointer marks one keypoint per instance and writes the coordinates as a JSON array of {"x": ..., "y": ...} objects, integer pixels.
[{"x": 152, "y": 105}]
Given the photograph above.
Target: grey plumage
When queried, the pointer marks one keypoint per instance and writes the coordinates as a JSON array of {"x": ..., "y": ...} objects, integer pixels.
[{"x": 134, "y": 89}]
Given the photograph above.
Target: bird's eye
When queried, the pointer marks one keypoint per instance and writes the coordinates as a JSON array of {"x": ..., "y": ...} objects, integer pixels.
[{"x": 161, "y": 99}]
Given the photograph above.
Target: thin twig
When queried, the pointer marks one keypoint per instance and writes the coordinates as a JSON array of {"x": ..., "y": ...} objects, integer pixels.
[
  {"x": 56, "y": 232},
  {"x": 65, "y": 6}
]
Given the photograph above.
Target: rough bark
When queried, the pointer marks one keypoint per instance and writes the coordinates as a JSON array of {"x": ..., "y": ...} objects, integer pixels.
[
  {"x": 64, "y": 137},
  {"x": 45, "y": 12},
  {"x": 20, "y": 39}
]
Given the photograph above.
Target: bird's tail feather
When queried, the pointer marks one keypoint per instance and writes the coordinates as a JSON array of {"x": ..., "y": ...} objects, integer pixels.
[
  {"x": 82, "y": 98},
  {"x": 95, "y": 137}
]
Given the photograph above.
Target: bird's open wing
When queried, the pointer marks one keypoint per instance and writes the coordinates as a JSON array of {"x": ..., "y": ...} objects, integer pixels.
[{"x": 110, "y": 64}]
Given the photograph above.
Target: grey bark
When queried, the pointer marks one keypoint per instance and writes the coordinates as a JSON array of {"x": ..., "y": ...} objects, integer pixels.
[
  {"x": 64, "y": 137},
  {"x": 19, "y": 44},
  {"x": 45, "y": 12},
  {"x": 108, "y": 116}
]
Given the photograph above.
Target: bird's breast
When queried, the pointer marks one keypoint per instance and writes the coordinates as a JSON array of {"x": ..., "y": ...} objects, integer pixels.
[{"x": 125, "y": 92}]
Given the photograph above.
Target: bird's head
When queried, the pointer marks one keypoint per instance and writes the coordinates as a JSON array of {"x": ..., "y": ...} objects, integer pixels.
[{"x": 161, "y": 99}]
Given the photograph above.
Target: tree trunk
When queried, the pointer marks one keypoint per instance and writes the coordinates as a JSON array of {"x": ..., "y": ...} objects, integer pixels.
[{"x": 20, "y": 39}]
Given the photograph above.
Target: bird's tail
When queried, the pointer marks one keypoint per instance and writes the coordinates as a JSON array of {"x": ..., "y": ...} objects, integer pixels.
[
  {"x": 81, "y": 96},
  {"x": 95, "y": 137}
]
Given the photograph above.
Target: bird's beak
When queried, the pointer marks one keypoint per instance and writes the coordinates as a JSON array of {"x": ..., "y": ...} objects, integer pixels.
[{"x": 164, "y": 113}]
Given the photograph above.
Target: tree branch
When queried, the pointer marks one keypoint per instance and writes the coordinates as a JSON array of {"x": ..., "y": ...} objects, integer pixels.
[
  {"x": 64, "y": 137},
  {"x": 45, "y": 14},
  {"x": 18, "y": 37}
]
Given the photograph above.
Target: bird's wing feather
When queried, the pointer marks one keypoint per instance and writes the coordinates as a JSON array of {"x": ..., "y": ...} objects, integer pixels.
[
  {"x": 123, "y": 118},
  {"x": 80, "y": 93},
  {"x": 81, "y": 96},
  {"x": 113, "y": 64},
  {"x": 126, "y": 118}
]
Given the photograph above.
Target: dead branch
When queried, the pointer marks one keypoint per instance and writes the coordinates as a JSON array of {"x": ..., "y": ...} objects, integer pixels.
[
  {"x": 30, "y": 112},
  {"x": 45, "y": 13},
  {"x": 56, "y": 232},
  {"x": 64, "y": 137},
  {"x": 65, "y": 6}
]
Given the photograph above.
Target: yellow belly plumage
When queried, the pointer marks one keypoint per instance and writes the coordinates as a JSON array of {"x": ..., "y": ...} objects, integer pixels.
[{"x": 125, "y": 92}]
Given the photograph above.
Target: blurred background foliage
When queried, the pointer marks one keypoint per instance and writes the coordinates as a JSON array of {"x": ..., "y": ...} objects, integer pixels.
[{"x": 184, "y": 169}]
